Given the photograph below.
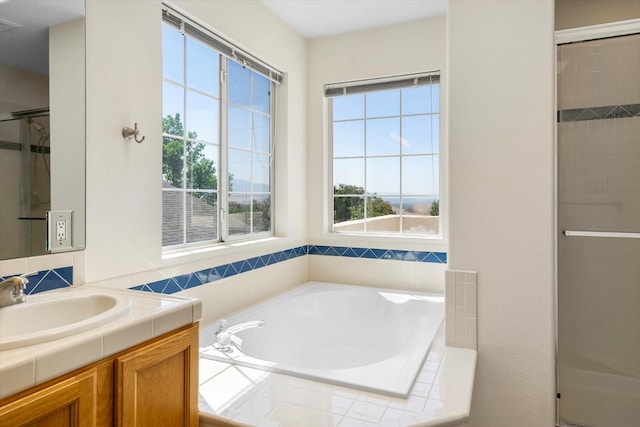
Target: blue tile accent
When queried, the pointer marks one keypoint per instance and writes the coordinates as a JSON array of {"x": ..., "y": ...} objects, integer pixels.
[
  {"x": 197, "y": 278},
  {"x": 182, "y": 280},
  {"x": 237, "y": 266},
  {"x": 46, "y": 280},
  {"x": 171, "y": 288},
  {"x": 350, "y": 252},
  {"x": 599, "y": 113},
  {"x": 368, "y": 253},
  {"x": 253, "y": 262},
  {"x": 158, "y": 286},
  {"x": 194, "y": 280},
  {"x": 409, "y": 256},
  {"x": 379, "y": 253}
]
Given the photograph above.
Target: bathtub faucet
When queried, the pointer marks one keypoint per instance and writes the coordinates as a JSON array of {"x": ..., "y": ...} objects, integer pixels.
[{"x": 224, "y": 333}]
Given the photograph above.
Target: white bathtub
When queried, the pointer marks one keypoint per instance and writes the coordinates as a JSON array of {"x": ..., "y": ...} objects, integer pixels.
[{"x": 368, "y": 338}]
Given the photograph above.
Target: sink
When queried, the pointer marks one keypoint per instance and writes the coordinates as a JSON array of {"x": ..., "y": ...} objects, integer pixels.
[{"x": 49, "y": 316}]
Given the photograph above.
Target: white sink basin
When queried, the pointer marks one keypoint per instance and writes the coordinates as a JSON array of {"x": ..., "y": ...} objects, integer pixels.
[{"x": 50, "y": 316}]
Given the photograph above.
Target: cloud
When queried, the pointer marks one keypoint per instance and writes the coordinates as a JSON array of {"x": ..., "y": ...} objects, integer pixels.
[{"x": 398, "y": 138}]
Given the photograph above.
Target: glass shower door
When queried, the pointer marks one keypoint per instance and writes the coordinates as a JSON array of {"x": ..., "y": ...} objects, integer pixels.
[{"x": 598, "y": 167}]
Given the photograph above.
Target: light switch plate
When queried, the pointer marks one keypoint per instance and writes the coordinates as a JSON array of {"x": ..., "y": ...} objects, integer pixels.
[{"x": 59, "y": 231}]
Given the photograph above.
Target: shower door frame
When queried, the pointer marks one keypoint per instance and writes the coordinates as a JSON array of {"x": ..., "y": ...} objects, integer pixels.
[{"x": 576, "y": 35}]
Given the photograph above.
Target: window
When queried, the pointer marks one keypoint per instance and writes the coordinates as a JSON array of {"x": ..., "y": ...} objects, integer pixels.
[
  {"x": 217, "y": 121},
  {"x": 385, "y": 137}
]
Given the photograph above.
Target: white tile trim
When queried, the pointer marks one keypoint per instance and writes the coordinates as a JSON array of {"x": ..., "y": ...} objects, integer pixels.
[{"x": 461, "y": 309}]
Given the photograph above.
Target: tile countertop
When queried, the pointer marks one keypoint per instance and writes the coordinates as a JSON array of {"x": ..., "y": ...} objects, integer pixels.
[{"x": 150, "y": 316}]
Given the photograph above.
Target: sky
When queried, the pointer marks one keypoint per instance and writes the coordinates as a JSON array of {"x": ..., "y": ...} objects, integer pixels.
[{"x": 380, "y": 134}]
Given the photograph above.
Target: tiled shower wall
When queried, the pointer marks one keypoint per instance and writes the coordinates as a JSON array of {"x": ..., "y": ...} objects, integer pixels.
[
  {"x": 598, "y": 161},
  {"x": 601, "y": 73},
  {"x": 599, "y": 190}
]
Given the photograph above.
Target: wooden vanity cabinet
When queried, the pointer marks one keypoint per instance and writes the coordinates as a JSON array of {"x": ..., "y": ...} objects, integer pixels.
[
  {"x": 157, "y": 385},
  {"x": 68, "y": 403},
  {"x": 152, "y": 384}
]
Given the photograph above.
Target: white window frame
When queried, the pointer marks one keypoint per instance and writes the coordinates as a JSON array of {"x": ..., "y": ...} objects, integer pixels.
[
  {"x": 368, "y": 86},
  {"x": 227, "y": 51}
]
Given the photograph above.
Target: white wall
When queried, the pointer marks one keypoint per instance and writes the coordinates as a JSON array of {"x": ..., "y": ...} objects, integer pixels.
[
  {"x": 67, "y": 108},
  {"x": 396, "y": 49},
  {"x": 501, "y": 133},
  {"x": 124, "y": 79}
]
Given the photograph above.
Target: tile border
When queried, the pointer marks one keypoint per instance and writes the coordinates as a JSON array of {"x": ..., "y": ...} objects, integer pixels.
[
  {"x": 182, "y": 282},
  {"x": 46, "y": 280},
  {"x": 62, "y": 277},
  {"x": 375, "y": 253},
  {"x": 598, "y": 113}
]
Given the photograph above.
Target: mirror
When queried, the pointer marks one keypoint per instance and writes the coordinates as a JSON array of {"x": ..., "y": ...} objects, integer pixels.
[{"x": 42, "y": 123}]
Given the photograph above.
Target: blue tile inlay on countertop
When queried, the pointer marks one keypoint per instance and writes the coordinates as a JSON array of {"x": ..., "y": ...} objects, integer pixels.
[
  {"x": 47, "y": 280},
  {"x": 197, "y": 278}
]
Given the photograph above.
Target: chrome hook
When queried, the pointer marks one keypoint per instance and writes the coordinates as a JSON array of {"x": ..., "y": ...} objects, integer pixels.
[{"x": 128, "y": 133}]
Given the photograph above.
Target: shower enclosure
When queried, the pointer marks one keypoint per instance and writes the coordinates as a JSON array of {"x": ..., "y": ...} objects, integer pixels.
[
  {"x": 25, "y": 182},
  {"x": 598, "y": 243}
]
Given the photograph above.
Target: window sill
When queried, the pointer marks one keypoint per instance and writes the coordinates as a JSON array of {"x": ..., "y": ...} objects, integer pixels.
[
  {"x": 383, "y": 241},
  {"x": 228, "y": 250}
]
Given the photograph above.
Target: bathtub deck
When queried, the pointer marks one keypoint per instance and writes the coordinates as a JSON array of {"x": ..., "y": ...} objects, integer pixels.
[{"x": 237, "y": 396}]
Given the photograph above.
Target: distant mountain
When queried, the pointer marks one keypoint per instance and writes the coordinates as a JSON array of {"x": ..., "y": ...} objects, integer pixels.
[{"x": 244, "y": 186}]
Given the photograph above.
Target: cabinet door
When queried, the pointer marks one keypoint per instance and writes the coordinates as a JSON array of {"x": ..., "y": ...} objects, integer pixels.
[
  {"x": 157, "y": 385},
  {"x": 68, "y": 403}
]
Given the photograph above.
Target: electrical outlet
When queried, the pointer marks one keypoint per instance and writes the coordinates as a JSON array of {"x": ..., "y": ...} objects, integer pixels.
[{"x": 59, "y": 231}]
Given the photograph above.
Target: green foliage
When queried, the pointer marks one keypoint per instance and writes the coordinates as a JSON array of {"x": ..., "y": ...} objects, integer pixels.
[
  {"x": 435, "y": 208},
  {"x": 378, "y": 207},
  {"x": 350, "y": 205},
  {"x": 201, "y": 171},
  {"x": 262, "y": 215},
  {"x": 172, "y": 151},
  {"x": 348, "y": 208},
  {"x": 259, "y": 209}
]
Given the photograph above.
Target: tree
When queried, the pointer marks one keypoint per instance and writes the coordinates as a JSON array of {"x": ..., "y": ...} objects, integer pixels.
[
  {"x": 435, "y": 208},
  {"x": 347, "y": 208},
  {"x": 262, "y": 213},
  {"x": 201, "y": 171},
  {"x": 378, "y": 207},
  {"x": 173, "y": 150},
  {"x": 351, "y": 206}
]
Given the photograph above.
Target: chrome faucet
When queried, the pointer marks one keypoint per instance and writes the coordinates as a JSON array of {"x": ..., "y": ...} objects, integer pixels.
[
  {"x": 224, "y": 333},
  {"x": 12, "y": 290}
]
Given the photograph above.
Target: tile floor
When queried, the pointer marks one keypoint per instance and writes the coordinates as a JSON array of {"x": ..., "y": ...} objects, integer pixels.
[{"x": 246, "y": 396}]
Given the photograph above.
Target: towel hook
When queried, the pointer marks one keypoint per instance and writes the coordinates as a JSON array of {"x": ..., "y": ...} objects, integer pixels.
[{"x": 128, "y": 133}]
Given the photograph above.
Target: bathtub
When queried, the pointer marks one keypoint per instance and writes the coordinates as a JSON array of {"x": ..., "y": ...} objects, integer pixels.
[{"x": 367, "y": 338}]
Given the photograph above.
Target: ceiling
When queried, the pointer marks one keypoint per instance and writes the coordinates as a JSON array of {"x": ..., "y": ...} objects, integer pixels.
[
  {"x": 26, "y": 45},
  {"x": 317, "y": 18}
]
